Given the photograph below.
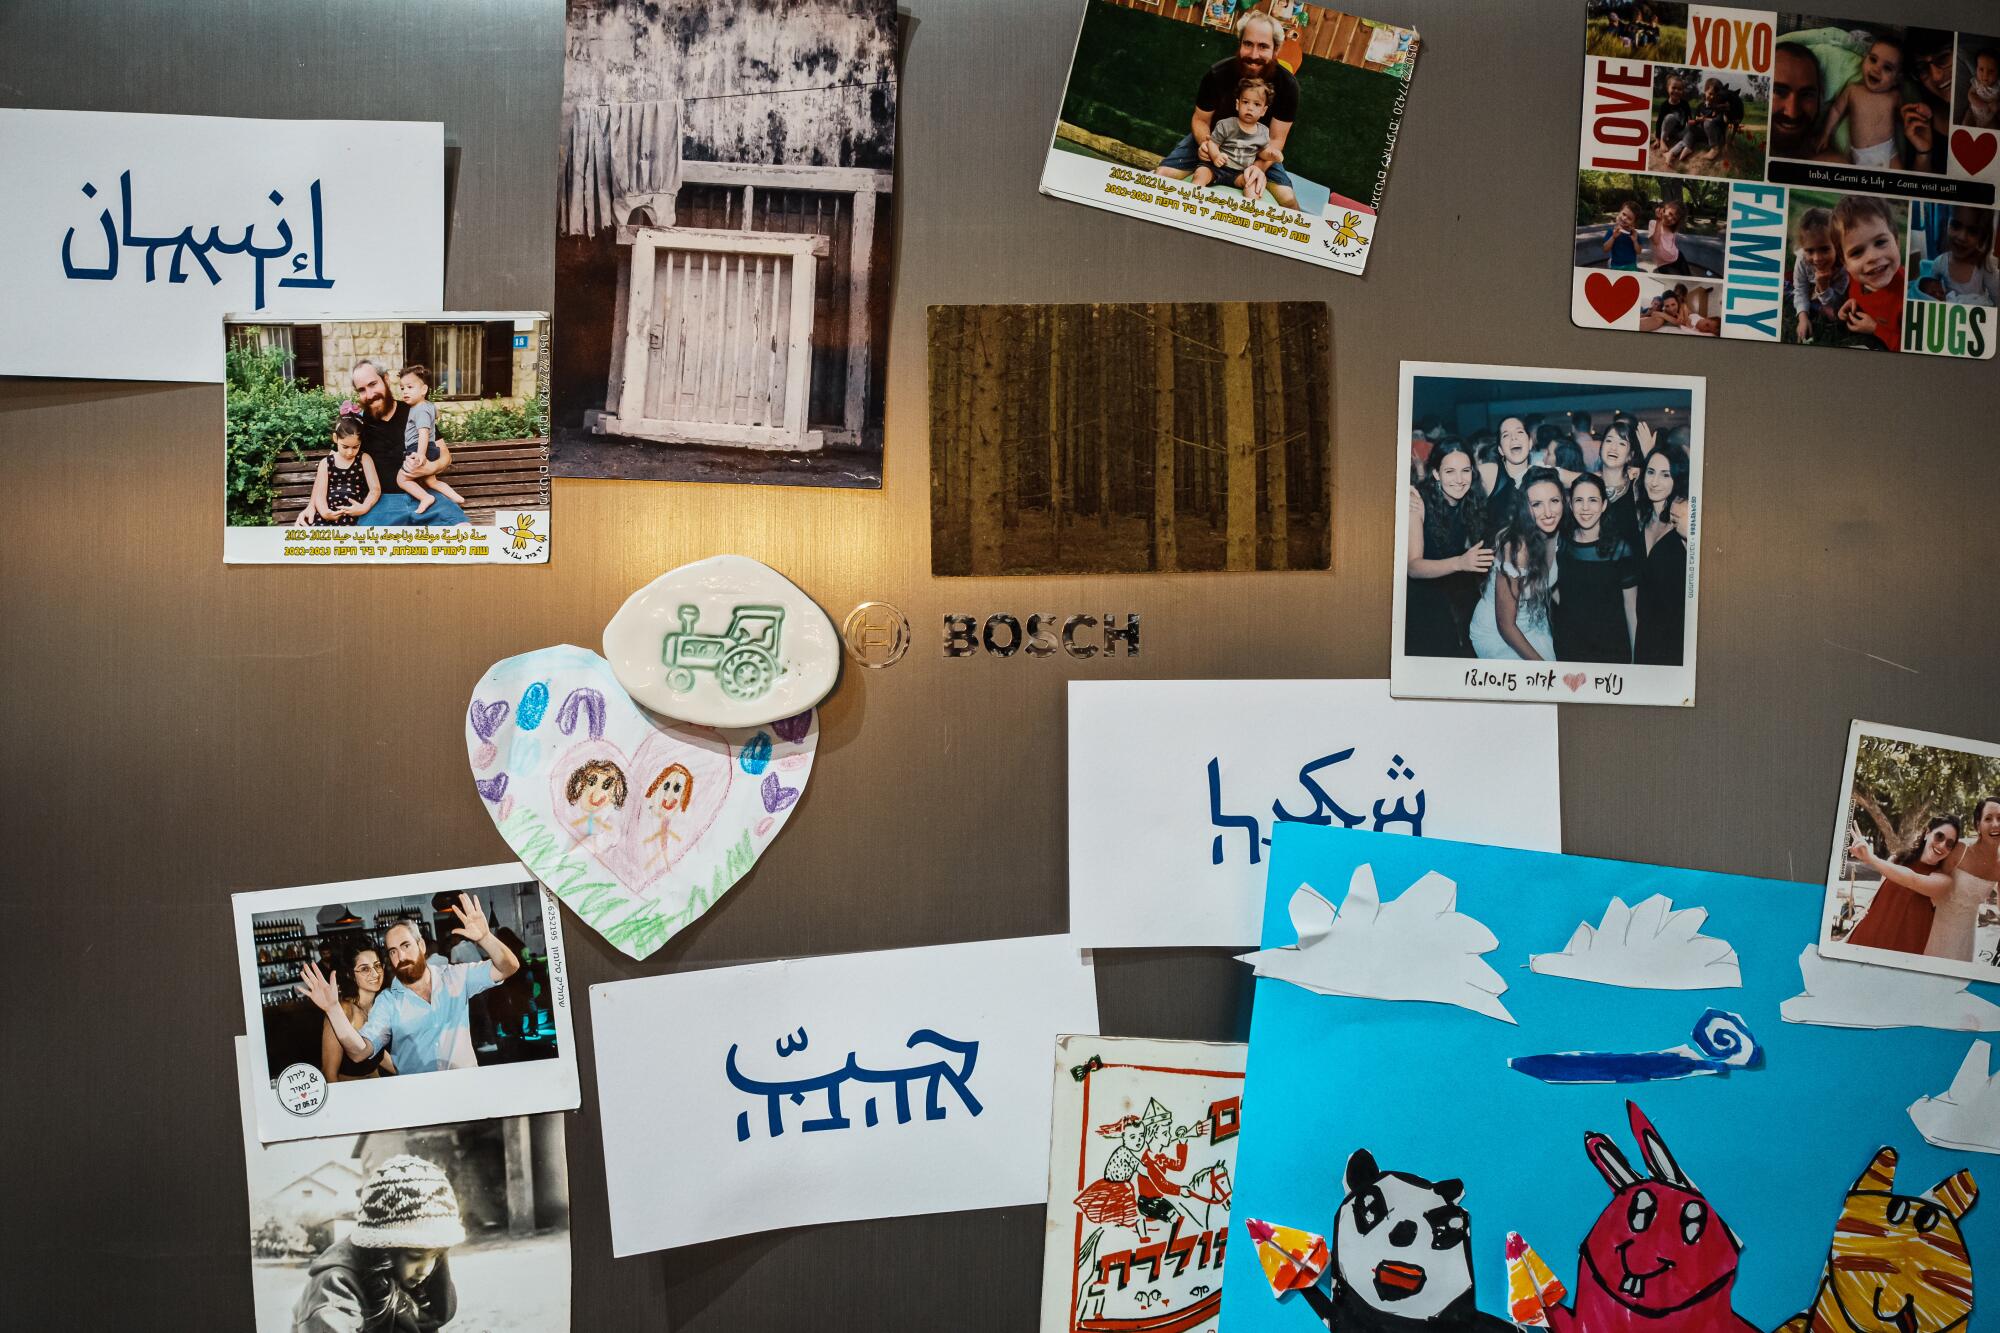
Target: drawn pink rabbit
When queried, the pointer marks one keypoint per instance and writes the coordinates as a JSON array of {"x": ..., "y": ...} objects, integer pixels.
[{"x": 1657, "y": 1258}]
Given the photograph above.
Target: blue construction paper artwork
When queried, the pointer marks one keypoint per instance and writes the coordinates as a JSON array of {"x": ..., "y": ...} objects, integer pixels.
[
  {"x": 1721, "y": 1042},
  {"x": 1683, "y": 1205}
]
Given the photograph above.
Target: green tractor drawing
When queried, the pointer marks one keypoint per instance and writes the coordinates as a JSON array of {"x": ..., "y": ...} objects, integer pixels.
[{"x": 745, "y": 660}]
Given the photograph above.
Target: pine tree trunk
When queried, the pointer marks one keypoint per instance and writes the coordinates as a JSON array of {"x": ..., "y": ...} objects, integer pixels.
[
  {"x": 1203, "y": 421},
  {"x": 1166, "y": 554},
  {"x": 1075, "y": 471},
  {"x": 1319, "y": 406},
  {"x": 1240, "y": 436},
  {"x": 967, "y": 438},
  {"x": 944, "y": 370},
  {"x": 1010, "y": 441},
  {"x": 988, "y": 469},
  {"x": 1056, "y": 460},
  {"x": 1276, "y": 442},
  {"x": 1099, "y": 354},
  {"x": 1215, "y": 458},
  {"x": 1139, "y": 443}
]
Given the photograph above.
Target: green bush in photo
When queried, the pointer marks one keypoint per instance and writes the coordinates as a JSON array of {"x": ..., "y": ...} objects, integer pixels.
[
  {"x": 268, "y": 418},
  {"x": 493, "y": 421},
  {"x": 1599, "y": 194}
]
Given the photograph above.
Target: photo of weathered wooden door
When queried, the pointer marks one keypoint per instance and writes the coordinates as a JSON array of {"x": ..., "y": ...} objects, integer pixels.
[{"x": 718, "y": 338}]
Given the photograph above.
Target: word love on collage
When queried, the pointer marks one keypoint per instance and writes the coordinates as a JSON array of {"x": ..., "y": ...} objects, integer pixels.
[{"x": 1788, "y": 178}]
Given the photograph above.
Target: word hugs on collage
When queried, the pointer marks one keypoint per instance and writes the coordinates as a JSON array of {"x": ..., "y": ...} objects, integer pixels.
[{"x": 1787, "y": 178}]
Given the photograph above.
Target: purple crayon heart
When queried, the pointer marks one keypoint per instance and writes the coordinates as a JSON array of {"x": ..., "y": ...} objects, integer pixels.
[
  {"x": 794, "y": 728},
  {"x": 492, "y": 788},
  {"x": 777, "y": 797},
  {"x": 486, "y": 718}
]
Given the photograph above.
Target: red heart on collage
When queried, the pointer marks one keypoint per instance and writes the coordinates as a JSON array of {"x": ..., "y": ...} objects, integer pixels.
[
  {"x": 1610, "y": 297},
  {"x": 1973, "y": 151}
]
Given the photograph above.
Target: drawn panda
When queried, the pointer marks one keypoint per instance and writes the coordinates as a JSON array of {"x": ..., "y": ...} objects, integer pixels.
[{"x": 1402, "y": 1257}]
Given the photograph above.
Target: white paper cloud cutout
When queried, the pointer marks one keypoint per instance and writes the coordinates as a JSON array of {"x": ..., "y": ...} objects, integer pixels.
[
  {"x": 1966, "y": 1116},
  {"x": 1649, "y": 947},
  {"x": 1417, "y": 947},
  {"x": 1841, "y": 994}
]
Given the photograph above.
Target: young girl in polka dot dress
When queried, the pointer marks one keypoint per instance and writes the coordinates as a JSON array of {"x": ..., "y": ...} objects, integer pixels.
[{"x": 345, "y": 487}]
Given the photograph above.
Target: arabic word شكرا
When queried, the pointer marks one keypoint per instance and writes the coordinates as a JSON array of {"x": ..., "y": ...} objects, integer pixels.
[{"x": 1324, "y": 809}]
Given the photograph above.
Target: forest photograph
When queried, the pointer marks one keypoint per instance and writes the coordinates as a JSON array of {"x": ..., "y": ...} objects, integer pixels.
[{"x": 1130, "y": 438}]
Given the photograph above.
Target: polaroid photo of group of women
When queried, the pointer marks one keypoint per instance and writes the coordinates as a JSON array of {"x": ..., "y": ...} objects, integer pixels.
[
  {"x": 1783, "y": 177},
  {"x": 1547, "y": 536}
]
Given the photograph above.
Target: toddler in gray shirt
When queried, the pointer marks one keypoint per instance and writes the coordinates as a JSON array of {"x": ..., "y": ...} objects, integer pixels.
[
  {"x": 1241, "y": 138},
  {"x": 420, "y": 441}
]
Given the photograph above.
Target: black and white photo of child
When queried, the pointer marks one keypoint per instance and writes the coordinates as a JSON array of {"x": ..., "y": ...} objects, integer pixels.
[{"x": 449, "y": 1226}]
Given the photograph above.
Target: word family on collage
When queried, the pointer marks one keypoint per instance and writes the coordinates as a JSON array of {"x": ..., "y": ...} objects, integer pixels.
[{"x": 670, "y": 782}]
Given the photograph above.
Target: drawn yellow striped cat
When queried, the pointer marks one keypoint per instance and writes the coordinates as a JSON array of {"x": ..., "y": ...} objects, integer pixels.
[{"x": 1899, "y": 1263}]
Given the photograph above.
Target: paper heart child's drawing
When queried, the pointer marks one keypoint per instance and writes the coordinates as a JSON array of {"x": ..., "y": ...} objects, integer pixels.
[{"x": 637, "y": 823}]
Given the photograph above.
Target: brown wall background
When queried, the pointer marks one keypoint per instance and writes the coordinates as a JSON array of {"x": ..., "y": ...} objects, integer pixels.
[{"x": 172, "y": 738}]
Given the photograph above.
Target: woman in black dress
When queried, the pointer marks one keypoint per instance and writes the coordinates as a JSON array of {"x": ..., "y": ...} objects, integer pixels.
[
  {"x": 1500, "y": 478},
  {"x": 1446, "y": 558},
  {"x": 1618, "y": 463},
  {"x": 1597, "y": 582},
  {"x": 1662, "y": 590}
]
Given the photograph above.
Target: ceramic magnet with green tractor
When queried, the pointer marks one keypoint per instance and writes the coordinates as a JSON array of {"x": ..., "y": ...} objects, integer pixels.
[
  {"x": 744, "y": 660},
  {"x": 777, "y": 659}
]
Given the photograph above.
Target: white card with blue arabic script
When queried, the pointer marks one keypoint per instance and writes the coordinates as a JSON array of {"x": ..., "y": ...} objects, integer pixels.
[
  {"x": 1176, "y": 785},
  {"x": 885, "y": 1084},
  {"x": 130, "y": 236}
]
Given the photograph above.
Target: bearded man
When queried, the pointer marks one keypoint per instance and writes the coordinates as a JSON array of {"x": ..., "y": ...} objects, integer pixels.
[
  {"x": 423, "y": 1017},
  {"x": 1258, "y": 37}
]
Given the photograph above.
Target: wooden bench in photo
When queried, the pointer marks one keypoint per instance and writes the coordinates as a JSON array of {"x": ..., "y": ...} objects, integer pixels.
[{"x": 490, "y": 474}]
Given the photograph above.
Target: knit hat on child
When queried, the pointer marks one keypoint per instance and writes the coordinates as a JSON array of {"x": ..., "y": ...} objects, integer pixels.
[{"x": 407, "y": 1204}]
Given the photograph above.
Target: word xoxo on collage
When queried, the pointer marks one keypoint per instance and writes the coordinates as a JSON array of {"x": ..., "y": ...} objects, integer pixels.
[{"x": 1787, "y": 178}]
